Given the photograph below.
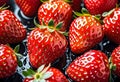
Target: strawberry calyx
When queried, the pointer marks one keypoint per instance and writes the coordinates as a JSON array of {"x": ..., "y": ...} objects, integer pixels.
[
  {"x": 18, "y": 55},
  {"x": 51, "y": 27},
  {"x": 41, "y": 75},
  {"x": 84, "y": 12},
  {"x": 108, "y": 13},
  {"x": 3, "y": 7},
  {"x": 112, "y": 68}
]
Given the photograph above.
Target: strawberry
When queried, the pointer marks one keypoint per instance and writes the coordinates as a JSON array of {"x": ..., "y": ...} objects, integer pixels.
[
  {"x": 92, "y": 66},
  {"x": 11, "y": 29},
  {"x": 99, "y": 6},
  {"x": 115, "y": 59},
  {"x": 45, "y": 74},
  {"x": 2, "y": 2},
  {"x": 28, "y": 7},
  {"x": 59, "y": 11},
  {"x": 84, "y": 33},
  {"x": 111, "y": 25},
  {"x": 8, "y": 61},
  {"x": 45, "y": 44}
]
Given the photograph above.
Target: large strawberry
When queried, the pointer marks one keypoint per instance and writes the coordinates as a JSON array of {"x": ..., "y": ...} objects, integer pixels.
[
  {"x": 92, "y": 66},
  {"x": 28, "y": 7},
  {"x": 45, "y": 74},
  {"x": 111, "y": 25},
  {"x": 84, "y": 33},
  {"x": 99, "y": 6},
  {"x": 11, "y": 29},
  {"x": 115, "y": 59},
  {"x": 58, "y": 10},
  {"x": 46, "y": 44},
  {"x": 8, "y": 61}
]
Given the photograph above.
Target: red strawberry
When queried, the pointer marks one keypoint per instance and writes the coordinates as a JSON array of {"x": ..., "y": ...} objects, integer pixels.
[
  {"x": 92, "y": 66},
  {"x": 3, "y": 2},
  {"x": 115, "y": 59},
  {"x": 99, "y": 6},
  {"x": 11, "y": 30},
  {"x": 58, "y": 10},
  {"x": 8, "y": 61},
  {"x": 28, "y": 7},
  {"x": 45, "y": 44},
  {"x": 112, "y": 27},
  {"x": 48, "y": 74},
  {"x": 84, "y": 33}
]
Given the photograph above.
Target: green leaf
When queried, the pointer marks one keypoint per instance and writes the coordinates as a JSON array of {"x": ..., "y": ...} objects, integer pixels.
[
  {"x": 68, "y": 1},
  {"x": 43, "y": 1},
  {"x": 20, "y": 64},
  {"x": 51, "y": 23},
  {"x": 77, "y": 13},
  {"x": 36, "y": 24},
  {"x": 29, "y": 72},
  {"x": 84, "y": 11},
  {"x": 17, "y": 48},
  {"x": 59, "y": 25}
]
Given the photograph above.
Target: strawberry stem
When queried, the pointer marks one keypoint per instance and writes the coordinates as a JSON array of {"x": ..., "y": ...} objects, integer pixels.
[{"x": 3, "y": 7}]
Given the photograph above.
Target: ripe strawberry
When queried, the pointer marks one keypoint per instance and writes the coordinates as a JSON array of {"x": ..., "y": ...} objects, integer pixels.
[
  {"x": 112, "y": 27},
  {"x": 99, "y": 6},
  {"x": 8, "y": 61},
  {"x": 29, "y": 7},
  {"x": 45, "y": 44},
  {"x": 47, "y": 74},
  {"x": 2, "y": 2},
  {"x": 11, "y": 30},
  {"x": 115, "y": 59},
  {"x": 92, "y": 66},
  {"x": 58, "y": 10},
  {"x": 84, "y": 33}
]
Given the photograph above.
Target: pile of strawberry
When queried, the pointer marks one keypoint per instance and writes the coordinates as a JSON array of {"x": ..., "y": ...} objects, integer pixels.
[{"x": 76, "y": 31}]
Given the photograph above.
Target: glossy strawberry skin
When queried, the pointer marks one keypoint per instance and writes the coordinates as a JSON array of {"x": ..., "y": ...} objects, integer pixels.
[
  {"x": 44, "y": 47},
  {"x": 99, "y": 6},
  {"x": 8, "y": 61},
  {"x": 58, "y": 11},
  {"x": 92, "y": 66},
  {"x": 11, "y": 30},
  {"x": 115, "y": 58},
  {"x": 28, "y": 79},
  {"x": 112, "y": 27},
  {"x": 84, "y": 33},
  {"x": 29, "y": 7},
  {"x": 58, "y": 76}
]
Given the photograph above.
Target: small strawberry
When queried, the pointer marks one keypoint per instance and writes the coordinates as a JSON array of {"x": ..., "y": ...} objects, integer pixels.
[
  {"x": 8, "y": 61},
  {"x": 11, "y": 29},
  {"x": 99, "y": 6},
  {"x": 45, "y": 74},
  {"x": 46, "y": 44},
  {"x": 111, "y": 25},
  {"x": 3, "y": 2},
  {"x": 93, "y": 66},
  {"x": 58, "y": 10},
  {"x": 115, "y": 59},
  {"x": 84, "y": 33},
  {"x": 28, "y": 7}
]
